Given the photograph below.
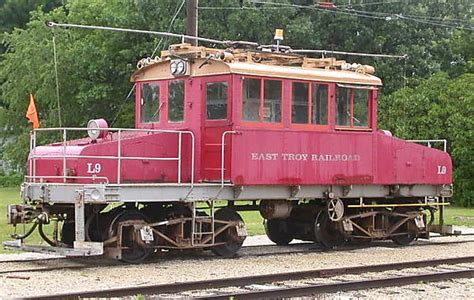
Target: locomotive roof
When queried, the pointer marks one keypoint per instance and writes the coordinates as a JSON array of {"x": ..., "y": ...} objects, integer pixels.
[{"x": 310, "y": 69}]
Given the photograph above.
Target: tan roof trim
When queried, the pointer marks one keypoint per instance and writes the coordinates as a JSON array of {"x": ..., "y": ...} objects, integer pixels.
[
  {"x": 159, "y": 71},
  {"x": 304, "y": 74}
]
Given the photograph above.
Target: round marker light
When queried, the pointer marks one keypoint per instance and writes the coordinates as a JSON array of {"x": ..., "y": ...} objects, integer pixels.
[
  {"x": 173, "y": 67},
  {"x": 181, "y": 67},
  {"x": 97, "y": 129}
]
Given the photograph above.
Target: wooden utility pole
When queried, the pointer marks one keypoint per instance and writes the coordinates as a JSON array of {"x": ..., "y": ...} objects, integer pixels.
[{"x": 192, "y": 20}]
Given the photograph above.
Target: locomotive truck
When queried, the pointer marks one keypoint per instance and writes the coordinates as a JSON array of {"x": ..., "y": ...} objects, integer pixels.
[{"x": 218, "y": 131}]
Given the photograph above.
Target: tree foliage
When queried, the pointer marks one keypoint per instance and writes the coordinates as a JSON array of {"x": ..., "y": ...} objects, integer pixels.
[{"x": 94, "y": 66}]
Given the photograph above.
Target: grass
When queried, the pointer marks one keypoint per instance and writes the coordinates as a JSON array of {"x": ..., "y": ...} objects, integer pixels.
[
  {"x": 459, "y": 216},
  {"x": 7, "y": 196},
  {"x": 453, "y": 215},
  {"x": 11, "y": 195},
  {"x": 253, "y": 221}
]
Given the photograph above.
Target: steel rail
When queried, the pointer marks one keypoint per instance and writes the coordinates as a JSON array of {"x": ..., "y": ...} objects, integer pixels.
[
  {"x": 344, "y": 286},
  {"x": 267, "y": 278}
]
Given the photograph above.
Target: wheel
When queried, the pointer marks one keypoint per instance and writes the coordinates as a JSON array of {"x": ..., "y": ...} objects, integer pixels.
[
  {"x": 405, "y": 239},
  {"x": 136, "y": 250},
  {"x": 326, "y": 232},
  {"x": 278, "y": 232},
  {"x": 68, "y": 233},
  {"x": 233, "y": 242}
]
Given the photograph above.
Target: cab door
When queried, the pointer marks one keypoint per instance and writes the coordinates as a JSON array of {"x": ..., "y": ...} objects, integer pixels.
[{"x": 216, "y": 97}]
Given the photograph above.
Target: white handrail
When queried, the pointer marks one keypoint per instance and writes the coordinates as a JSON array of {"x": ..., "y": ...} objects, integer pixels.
[
  {"x": 105, "y": 179},
  {"x": 223, "y": 153},
  {"x": 119, "y": 157},
  {"x": 429, "y": 142}
]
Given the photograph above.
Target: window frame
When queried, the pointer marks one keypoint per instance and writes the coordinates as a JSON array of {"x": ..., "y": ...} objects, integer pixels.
[
  {"x": 216, "y": 79},
  {"x": 261, "y": 123},
  {"x": 138, "y": 106},
  {"x": 370, "y": 100},
  {"x": 167, "y": 110},
  {"x": 310, "y": 125}
]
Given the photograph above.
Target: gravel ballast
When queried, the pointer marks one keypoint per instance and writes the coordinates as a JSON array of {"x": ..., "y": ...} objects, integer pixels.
[{"x": 203, "y": 265}]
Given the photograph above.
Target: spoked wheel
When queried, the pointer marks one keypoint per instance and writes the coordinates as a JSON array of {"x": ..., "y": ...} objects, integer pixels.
[
  {"x": 326, "y": 232},
  {"x": 230, "y": 236},
  {"x": 335, "y": 209},
  {"x": 136, "y": 250},
  {"x": 278, "y": 232}
]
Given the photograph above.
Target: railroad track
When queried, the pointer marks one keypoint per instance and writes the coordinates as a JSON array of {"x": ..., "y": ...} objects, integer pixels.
[
  {"x": 282, "y": 284},
  {"x": 41, "y": 265},
  {"x": 311, "y": 245}
]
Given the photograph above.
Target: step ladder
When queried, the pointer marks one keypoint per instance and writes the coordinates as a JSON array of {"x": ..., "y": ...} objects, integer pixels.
[{"x": 202, "y": 226}]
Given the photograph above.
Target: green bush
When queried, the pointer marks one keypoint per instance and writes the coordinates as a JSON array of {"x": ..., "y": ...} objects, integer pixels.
[{"x": 11, "y": 180}]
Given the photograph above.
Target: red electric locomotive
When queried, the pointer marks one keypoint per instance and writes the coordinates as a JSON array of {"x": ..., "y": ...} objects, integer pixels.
[{"x": 218, "y": 131}]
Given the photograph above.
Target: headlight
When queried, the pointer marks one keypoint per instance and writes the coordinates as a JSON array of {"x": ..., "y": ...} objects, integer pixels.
[
  {"x": 97, "y": 129},
  {"x": 178, "y": 67}
]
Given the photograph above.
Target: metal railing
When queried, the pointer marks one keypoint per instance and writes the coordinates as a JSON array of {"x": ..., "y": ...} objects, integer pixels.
[
  {"x": 119, "y": 157},
  {"x": 224, "y": 134},
  {"x": 430, "y": 143}
]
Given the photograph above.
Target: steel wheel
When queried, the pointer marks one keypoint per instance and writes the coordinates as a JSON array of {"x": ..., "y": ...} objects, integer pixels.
[
  {"x": 409, "y": 227},
  {"x": 233, "y": 242},
  {"x": 278, "y": 232},
  {"x": 136, "y": 251},
  {"x": 326, "y": 233},
  {"x": 405, "y": 239}
]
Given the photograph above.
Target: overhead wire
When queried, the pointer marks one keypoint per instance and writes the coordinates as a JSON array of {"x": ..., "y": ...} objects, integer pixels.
[
  {"x": 365, "y": 14},
  {"x": 369, "y": 3},
  {"x": 410, "y": 17}
]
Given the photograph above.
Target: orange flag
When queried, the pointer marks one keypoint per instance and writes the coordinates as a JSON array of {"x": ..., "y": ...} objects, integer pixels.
[{"x": 32, "y": 114}]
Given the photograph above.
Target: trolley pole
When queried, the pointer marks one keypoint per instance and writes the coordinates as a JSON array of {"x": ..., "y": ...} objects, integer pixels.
[{"x": 192, "y": 20}]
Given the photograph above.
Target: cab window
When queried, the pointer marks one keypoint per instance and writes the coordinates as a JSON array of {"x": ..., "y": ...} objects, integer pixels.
[
  {"x": 216, "y": 100},
  {"x": 251, "y": 100},
  {"x": 261, "y": 100},
  {"x": 300, "y": 100},
  {"x": 272, "y": 101},
  {"x": 319, "y": 104},
  {"x": 352, "y": 107},
  {"x": 309, "y": 103},
  {"x": 150, "y": 104},
  {"x": 176, "y": 100}
]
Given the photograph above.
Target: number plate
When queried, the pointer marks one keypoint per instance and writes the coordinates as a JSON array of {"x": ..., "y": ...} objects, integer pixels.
[
  {"x": 146, "y": 234},
  {"x": 241, "y": 230},
  {"x": 419, "y": 222}
]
